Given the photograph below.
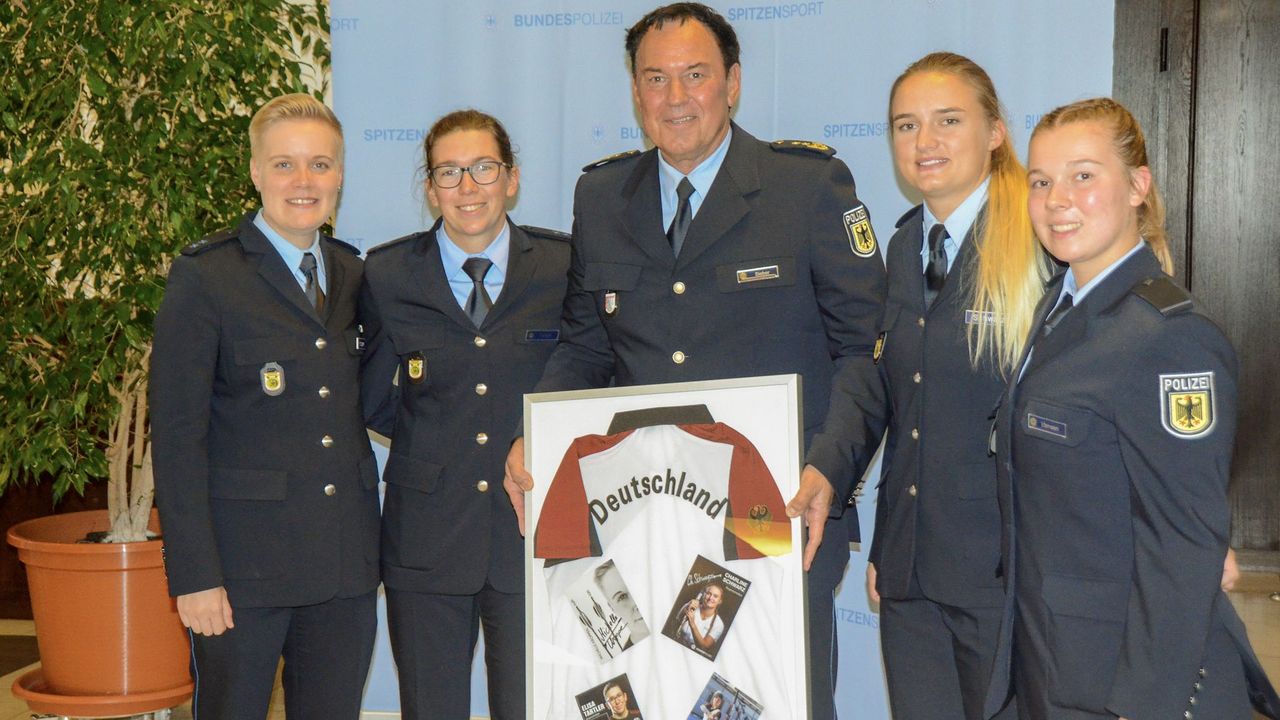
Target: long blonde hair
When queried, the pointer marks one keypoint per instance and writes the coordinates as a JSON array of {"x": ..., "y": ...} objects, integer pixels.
[
  {"x": 1011, "y": 268},
  {"x": 1131, "y": 147}
]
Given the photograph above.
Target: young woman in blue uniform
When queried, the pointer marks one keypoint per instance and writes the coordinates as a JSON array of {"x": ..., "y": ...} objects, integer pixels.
[
  {"x": 965, "y": 273},
  {"x": 460, "y": 320},
  {"x": 265, "y": 481},
  {"x": 1114, "y": 448}
]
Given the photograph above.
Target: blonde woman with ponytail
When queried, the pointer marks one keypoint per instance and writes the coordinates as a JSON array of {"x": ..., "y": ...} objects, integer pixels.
[
  {"x": 965, "y": 273},
  {"x": 1114, "y": 443}
]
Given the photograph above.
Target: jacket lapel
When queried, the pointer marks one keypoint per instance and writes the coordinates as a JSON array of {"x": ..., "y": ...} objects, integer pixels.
[
  {"x": 335, "y": 275},
  {"x": 726, "y": 204},
  {"x": 522, "y": 262},
  {"x": 272, "y": 269},
  {"x": 960, "y": 267},
  {"x": 430, "y": 280},
  {"x": 644, "y": 211}
]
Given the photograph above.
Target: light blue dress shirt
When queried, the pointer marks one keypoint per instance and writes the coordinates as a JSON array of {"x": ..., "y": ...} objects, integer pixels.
[
  {"x": 701, "y": 177},
  {"x": 452, "y": 257},
  {"x": 962, "y": 218},
  {"x": 292, "y": 254}
]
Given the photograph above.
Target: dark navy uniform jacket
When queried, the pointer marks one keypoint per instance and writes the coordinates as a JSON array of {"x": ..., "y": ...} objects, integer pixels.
[
  {"x": 767, "y": 282},
  {"x": 1114, "y": 452},
  {"x": 936, "y": 514},
  {"x": 448, "y": 526},
  {"x": 265, "y": 480}
]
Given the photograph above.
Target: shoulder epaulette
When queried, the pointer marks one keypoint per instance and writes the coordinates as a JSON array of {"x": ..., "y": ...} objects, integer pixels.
[
  {"x": 1164, "y": 295},
  {"x": 906, "y": 216},
  {"x": 393, "y": 243},
  {"x": 612, "y": 158},
  {"x": 803, "y": 146},
  {"x": 210, "y": 241},
  {"x": 547, "y": 233},
  {"x": 345, "y": 246}
]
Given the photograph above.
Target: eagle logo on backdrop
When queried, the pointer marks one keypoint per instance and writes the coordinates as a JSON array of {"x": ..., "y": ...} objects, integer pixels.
[
  {"x": 862, "y": 239},
  {"x": 1186, "y": 404}
]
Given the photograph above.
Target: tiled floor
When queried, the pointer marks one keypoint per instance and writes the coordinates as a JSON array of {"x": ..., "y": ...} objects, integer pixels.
[{"x": 1252, "y": 599}]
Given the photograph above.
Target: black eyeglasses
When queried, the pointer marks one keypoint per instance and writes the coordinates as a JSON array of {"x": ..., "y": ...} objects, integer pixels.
[{"x": 485, "y": 172}]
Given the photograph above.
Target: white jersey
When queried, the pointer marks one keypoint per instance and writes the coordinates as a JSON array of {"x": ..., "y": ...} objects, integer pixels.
[{"x": 652, "y": 500}]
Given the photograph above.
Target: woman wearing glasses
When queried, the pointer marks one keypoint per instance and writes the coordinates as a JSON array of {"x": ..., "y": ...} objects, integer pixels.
[{"x": 460, "y": 320}]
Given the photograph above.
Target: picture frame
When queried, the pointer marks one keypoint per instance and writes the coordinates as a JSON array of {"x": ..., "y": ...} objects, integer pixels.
[{"x": 659, "y": 561}]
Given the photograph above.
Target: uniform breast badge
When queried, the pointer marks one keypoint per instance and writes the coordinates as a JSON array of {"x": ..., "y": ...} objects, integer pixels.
[
  {"x": 1186, "y": 404},
  {"x": 416, "y": 368},
  {"x": 272, "y": 376},
  {"x": 611, "y": 303}
]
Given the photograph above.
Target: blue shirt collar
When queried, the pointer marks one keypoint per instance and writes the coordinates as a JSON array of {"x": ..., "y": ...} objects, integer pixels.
[
  {"x": 292, "y": 254},
  {"x": 1078, "y": 294},
  {"x": 959, "y": 223},
  {"x": 452, "y": 256},
  {"x": 701, "y": 176}
]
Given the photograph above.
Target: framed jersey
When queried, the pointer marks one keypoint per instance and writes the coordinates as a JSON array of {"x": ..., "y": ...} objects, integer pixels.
[{"x": 659, "y": 557}]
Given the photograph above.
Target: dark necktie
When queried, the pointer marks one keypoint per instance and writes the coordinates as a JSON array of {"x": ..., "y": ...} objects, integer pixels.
[
  {"x": 313, "y": 291},
  {"x": 935, "y": 273},
  {"x": 684, "y": 216},
  {"x": 478, "y": 302},
  {"x": 1064, "y": 306}
]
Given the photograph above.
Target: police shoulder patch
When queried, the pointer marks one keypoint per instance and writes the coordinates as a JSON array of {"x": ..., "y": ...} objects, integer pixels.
[
  {"x": 611, "y": 159},
  {"x": 857, "y": 224},
  {"x": 1187, "y": 404},
  {"x": 210, "y": 241},
  {"x": 803, "y": 146},
  {"x": 1164, "y": 295},
  {"x": 546, "y": 233}
]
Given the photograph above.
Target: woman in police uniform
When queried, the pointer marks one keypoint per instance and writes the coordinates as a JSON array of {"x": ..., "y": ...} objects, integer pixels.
[
  {"x": 265, "y": 481},
  {"x": 460, "y": 321},
  {"x": 1115, "y": 444},
  {"x": 965, "y": 273}
]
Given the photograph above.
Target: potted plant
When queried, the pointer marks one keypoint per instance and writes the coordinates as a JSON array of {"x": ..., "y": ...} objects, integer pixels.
[{"x": 123, "y": 137}]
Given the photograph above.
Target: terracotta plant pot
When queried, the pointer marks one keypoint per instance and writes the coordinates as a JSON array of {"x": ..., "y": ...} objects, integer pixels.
[{"x": 105, "y": 623}]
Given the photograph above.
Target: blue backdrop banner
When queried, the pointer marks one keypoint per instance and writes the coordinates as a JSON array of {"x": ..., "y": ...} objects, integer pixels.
[{"x": 555, "y": 73}]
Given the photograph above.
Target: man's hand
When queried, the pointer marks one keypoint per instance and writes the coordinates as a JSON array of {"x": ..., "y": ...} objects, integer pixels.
[
  {"x": 207, "y": 612},
  {"x": 813, "y": 501},
  {"x": 1230, "y": 571},
  {"x": 517, "y": 481},
  {"x": 871, "y": 583}
]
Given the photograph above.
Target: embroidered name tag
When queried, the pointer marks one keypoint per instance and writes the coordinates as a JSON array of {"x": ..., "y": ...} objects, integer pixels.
[
  {"x": 1047, "y": 426},
  {"x": 979, "y": 317},
  {"x": 541, "y": 335},
  {"x": 750, "y": 275}
]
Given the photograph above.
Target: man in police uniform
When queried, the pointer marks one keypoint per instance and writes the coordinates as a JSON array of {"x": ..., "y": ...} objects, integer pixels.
[{"x": 716, "y": 255}]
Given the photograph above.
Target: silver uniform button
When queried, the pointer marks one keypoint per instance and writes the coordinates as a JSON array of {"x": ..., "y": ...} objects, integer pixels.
[
  {"x": 912, "y": 491},
  {"x": 920, "y": 322},
  {"x": 916, "y": 378},
  {"x": 481, "y": 388},
  {"x": 481, "y": 438},
  {"x": 326, "y": 441},
  {"x": 915, "y": 433},
  {"x": 330, "y": 490},
  {"x": 480, "y": 342},
  {"x": 677, "y": 357},
  {"x": 321, "y": 343},
  {"x": 483, "y": 486},
  {"x": 678, "y": 288},
  {"x": 323, "y": 392}
]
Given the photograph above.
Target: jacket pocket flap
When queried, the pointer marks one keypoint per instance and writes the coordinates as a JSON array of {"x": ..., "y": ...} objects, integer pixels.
[
  {"x": 265, "y": 350},
  {"x": 418, "y": 338},
  {"x": 238, "y": 484},
  {"x": 610, "y": 276},
  {"x": 1091, "y": 598},
  {"x": 409, "y": 472},
  {"x": 753, "y": 274},
  {"x": 1056, "y": 423}
]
